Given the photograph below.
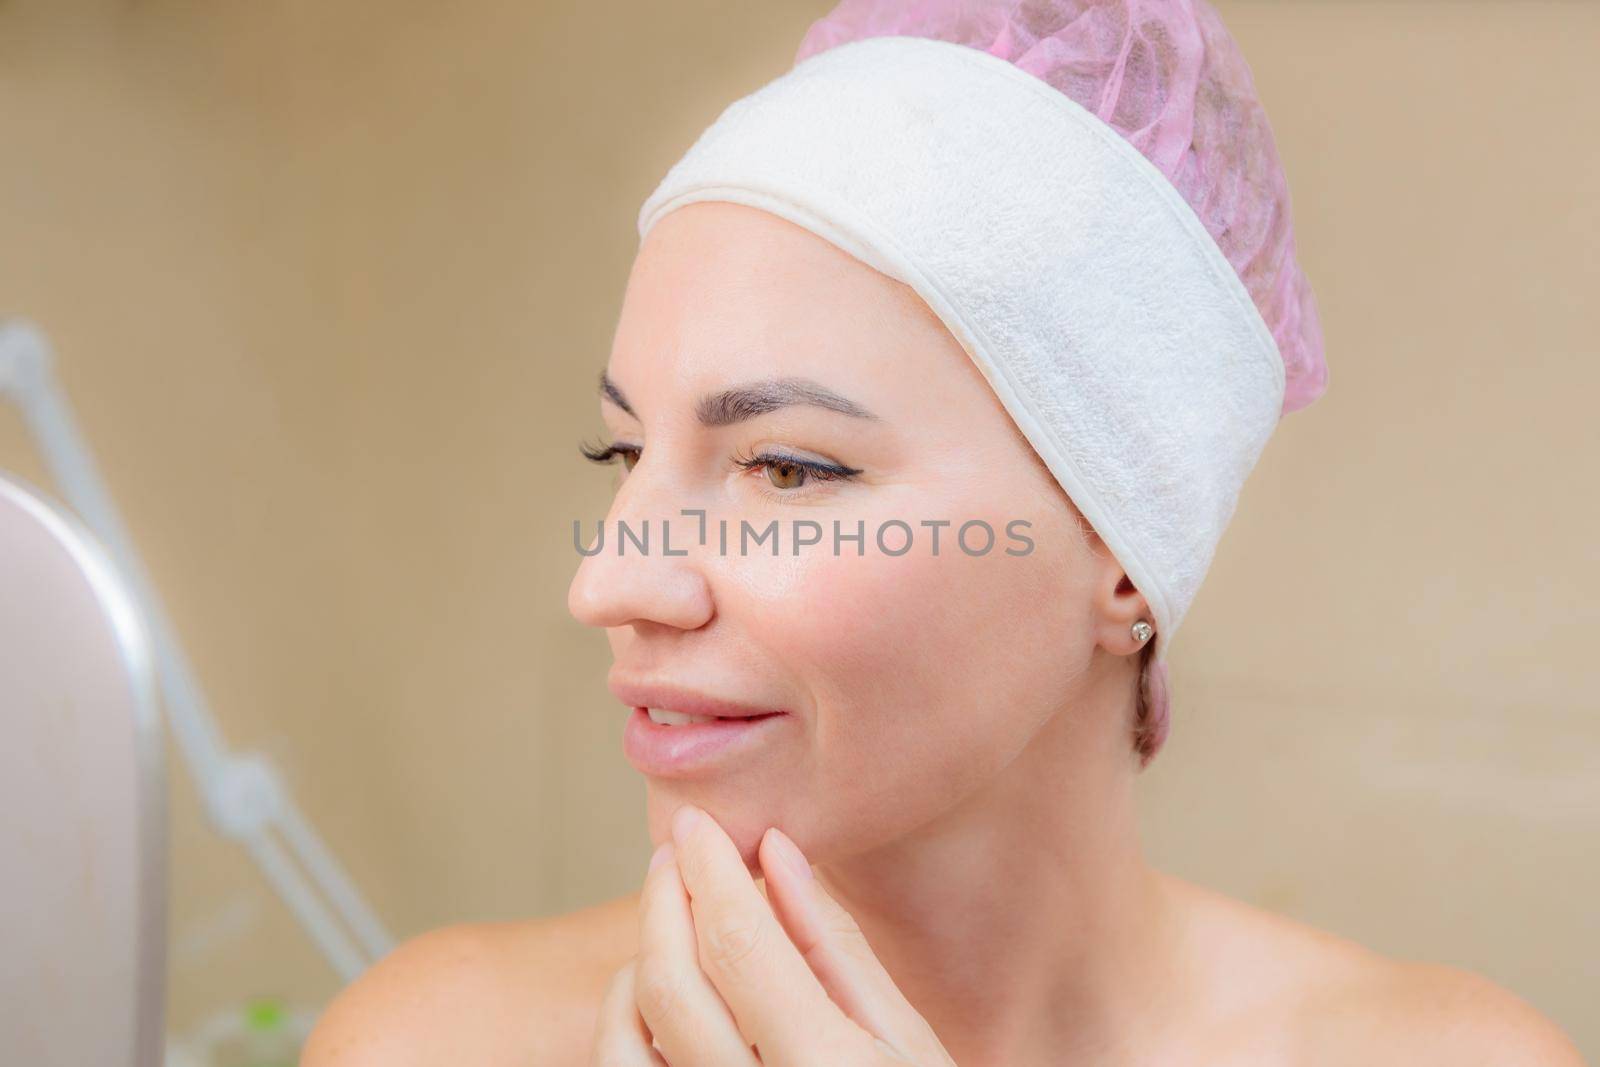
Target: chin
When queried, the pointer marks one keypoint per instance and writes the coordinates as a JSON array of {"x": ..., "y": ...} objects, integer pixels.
[{"x": 742, "y": 816}]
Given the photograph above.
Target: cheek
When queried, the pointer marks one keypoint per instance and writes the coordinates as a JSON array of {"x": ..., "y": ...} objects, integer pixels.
[{"x": 925, "y": 673}]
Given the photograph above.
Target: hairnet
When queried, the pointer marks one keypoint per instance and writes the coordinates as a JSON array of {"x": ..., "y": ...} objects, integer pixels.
[{"x": 1168, "y": 77}]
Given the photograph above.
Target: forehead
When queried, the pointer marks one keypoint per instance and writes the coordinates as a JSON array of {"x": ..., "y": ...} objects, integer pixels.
[{"x": 721, "y": 292}]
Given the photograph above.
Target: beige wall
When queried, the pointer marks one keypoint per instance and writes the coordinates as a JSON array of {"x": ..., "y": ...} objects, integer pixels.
[{"x": 329, "y": 285}]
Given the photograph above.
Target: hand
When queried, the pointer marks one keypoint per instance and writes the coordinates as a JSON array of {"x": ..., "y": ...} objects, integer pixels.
[{"x": 723, "y": 978}]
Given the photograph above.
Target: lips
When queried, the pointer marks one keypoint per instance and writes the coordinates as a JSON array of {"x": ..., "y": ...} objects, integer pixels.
[
  {"x": 669, "y": 717},
  {"x": 698, "y": 749},
  {"x": 685, "y": 701},
  {"x": 674, "y": 732}
]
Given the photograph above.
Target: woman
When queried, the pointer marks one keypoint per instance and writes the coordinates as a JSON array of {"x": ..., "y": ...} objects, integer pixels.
[{"x": 1016, "y": 275}]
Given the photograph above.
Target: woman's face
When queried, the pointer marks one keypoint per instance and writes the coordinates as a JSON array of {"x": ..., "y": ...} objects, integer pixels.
[{"x": 908, "y": 681}]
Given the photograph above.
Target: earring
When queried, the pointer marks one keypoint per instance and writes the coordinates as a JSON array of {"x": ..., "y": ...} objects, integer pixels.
[{"x": 1142, "y": 631}]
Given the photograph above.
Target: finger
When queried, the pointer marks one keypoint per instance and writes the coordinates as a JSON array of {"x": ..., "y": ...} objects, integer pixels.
[
  {"x": 620, "y": 1036},
  {"x": 831, "y": 942},
  {"x": 779, "y": 1004},
  {"x": 691, "y": 1023}
]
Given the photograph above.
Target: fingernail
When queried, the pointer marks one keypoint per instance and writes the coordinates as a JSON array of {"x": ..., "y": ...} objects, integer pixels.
[
  {"x": 684, "y": 820},
  {"x": 790, "y": 853},
  {"x": 662, "y": 854}
]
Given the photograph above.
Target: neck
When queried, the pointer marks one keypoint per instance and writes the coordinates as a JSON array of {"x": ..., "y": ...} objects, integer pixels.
[{"x": 1024, "y": 924}]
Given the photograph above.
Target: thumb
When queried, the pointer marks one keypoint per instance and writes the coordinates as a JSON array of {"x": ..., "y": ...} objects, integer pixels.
[{"x": 831, "y": 941}]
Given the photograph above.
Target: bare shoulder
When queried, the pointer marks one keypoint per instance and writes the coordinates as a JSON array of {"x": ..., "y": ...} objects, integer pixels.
[
  {"x": 1427, "y": 1014},
  {"x": 481, "y": 993},
  {"x": 1288, "y": 992}
]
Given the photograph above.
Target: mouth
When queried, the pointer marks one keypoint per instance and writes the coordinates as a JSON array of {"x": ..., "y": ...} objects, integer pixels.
[
  {"x": 670, "y": 717},
  {"x": 680, "y": 733},
  {"x": 700, "y": 747},
  {"x": 673, "y": 705}
]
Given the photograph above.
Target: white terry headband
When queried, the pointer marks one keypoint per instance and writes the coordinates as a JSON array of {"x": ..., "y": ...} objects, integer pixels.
[{"x": 1078, "y": 279}]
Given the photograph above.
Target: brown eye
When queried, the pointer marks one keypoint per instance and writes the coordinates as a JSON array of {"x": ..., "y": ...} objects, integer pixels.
[
  {"x": 630, "y": 457},
  {"x": 789, "y": 473},
  {"x": 786, "y": 475}
]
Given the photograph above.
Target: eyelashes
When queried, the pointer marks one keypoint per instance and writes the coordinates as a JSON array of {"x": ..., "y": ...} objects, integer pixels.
[
  {"x": 785, "y": 472},
  {"x": 793, "y": 472},
  {"x": 610, "y": 452}
]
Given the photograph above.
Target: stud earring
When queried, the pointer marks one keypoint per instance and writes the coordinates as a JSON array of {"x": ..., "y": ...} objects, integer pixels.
[{"x": 1142, "y": 631}]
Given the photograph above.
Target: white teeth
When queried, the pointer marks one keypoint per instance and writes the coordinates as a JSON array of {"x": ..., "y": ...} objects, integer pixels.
[{"x": 667, "y": 717}]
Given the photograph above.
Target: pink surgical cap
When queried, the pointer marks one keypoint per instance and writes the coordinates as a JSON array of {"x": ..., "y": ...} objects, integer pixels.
[{"x": 1167, "y": 77}]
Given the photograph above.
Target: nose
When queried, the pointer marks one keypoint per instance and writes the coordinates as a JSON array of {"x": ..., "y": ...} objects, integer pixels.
[{"x": 622, "y": 583}]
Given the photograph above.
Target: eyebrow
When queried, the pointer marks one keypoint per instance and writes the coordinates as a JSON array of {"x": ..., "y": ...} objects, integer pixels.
[{"x": 757, "y": 398}]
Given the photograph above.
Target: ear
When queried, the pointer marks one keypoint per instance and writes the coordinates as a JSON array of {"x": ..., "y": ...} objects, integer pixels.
[{"x": 1118, "y": 606}]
